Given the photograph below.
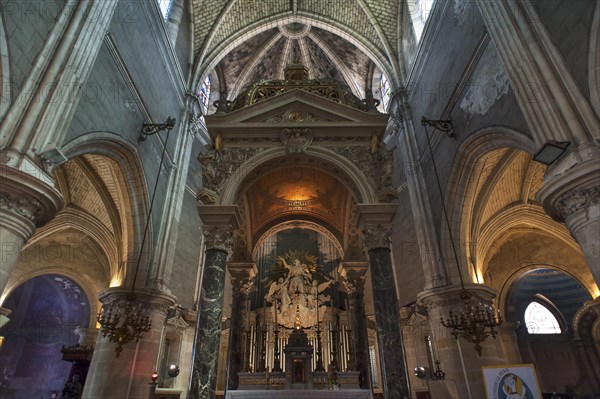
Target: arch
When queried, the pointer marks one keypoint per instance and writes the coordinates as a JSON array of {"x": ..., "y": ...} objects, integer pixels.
[
  {"x": 348, "y": 172},
  {"x": 504, "y": 291},
  {"x": 594, "y": 62},
  {"x": 460, "y": 190},
  {"x": 293, "y": 224},
  {"x": 214, "y": 57},
  {"x": 5, "y": 89},
  {"x": 73, "y": 218},
  {"x": 125, "y": 154},
  {"x": 86, "y": 284}
]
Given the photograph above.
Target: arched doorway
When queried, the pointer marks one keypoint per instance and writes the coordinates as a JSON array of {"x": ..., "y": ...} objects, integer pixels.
[{"x": 48, "y": 312}]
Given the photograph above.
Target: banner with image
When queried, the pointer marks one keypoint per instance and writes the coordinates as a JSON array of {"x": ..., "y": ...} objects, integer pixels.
[{"x": 515, "y": 381}]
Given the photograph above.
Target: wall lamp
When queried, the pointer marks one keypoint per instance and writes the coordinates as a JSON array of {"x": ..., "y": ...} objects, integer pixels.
[{"x": 551, "y": 151}]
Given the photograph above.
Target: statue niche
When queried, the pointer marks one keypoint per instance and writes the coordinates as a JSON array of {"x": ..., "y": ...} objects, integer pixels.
[{"x": 297, "y": 295}]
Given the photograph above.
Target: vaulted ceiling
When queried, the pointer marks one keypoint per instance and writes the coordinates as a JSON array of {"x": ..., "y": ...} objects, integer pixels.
[{"x": 242, "y": 41}]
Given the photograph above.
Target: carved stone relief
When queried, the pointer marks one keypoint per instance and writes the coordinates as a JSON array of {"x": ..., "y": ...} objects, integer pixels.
[
  {"x": 218, "y": 237},
  {"x": 576, "y": 200},
  {"x": 218, "y": 166},
  {"x": 29, "y": 208},
  {"x": 376, "y": 236},
  {"x": 296, "y": 140}
]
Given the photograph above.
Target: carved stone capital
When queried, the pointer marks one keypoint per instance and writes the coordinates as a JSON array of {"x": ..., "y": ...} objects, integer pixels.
[
  {"x": 218, "y": 237},
  {"x": 156, "y": 300},
  {"x": 577, "y": 200},
  {"x": 242, "y": 276},
  {"x": 577, "y": 188},
  {"x": 26, "y": 202},
  {"x": 441, "y": 300},
  {"x": 376, "y": 236},
  {"x": 353, "y": 276}
]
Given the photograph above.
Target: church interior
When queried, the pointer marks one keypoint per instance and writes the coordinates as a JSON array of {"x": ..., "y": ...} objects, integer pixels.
[{"x": 348, "y": 199}]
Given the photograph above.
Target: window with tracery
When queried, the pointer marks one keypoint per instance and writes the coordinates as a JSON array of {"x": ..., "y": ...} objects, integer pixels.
[
  {"x": 204, "y": 94},
  {"x": 165, "y": 7},
  {"x": 385, "y": 91},
  {"x": 540, "y": 320}
]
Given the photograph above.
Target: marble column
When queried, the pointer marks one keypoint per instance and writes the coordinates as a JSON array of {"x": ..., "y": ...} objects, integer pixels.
[
  {"x": 571, "y": 194},
  {"x": 242, "y": 275},
  {"x": 218, "y": 240},
  {"x": 127, "y": 376},
  {"x": 387, "y": 312},
  {"x": 28, "y": 200},
  {"x": 459, "y": 358},
  {"x": 355, "y": 284}
]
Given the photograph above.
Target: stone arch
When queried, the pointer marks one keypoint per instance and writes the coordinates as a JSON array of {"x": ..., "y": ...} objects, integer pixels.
[
  {"x": 132, "y": 177},
  {"x": 292, "y": 224},
  {"x": 594, "y": 61},
  {"x": 348, "y": 172},
  {"x": 504, "y": 290},
  {"x": 86, "y": 284},
  {"x": 5, "y": 89},
  {"x": 460, "y": 190}
]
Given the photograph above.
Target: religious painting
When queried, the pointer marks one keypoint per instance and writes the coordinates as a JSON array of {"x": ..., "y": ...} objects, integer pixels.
[{"x": 518, "y": 381}]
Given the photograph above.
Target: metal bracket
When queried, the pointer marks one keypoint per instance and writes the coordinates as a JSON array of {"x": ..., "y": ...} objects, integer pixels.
[
  {"x": 443, "y": 125},
  {"x": 148, "y": 129}
]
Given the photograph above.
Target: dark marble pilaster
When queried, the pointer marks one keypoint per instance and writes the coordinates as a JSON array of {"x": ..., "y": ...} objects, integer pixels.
[
  {"x": 241, "y": 281},
  {"x": 387, "y": 314},
  {"x": 358, "y": 322},
  {"x": 208, "y": 327},
  {"x": 218, "y": 241}
]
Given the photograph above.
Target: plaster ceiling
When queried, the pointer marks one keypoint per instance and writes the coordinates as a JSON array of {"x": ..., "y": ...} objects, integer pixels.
[
  {"x": 242, "y": 41},
  {"x": 297, "y": 191}
]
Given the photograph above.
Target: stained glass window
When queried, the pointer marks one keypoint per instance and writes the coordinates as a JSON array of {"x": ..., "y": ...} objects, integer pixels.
[
  {"x": 385, "y": 91},
  {"x": 540, "y": 320},
  {"x": 205, "y": 94},
  {"x": 165, "y": 7}
]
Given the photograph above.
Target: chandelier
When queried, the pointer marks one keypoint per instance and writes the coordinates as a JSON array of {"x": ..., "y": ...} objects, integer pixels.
[
  {"x": 474, "y": 322},
  {"x": 125, "y": 320}
]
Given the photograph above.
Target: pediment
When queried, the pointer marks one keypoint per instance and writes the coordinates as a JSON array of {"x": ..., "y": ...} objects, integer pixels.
[{"x": 295, "y": 109}]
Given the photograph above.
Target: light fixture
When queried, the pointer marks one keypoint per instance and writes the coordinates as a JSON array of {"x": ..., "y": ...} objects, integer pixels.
[
  {"x": 420, "y": 372},
  {"x": 154, "y": 377},
  {"x": 173, "y": 371},
  {"x": 551, "y": 151},
  {"x": 475, "y": 322},
  {"x": 125, "y": 320}
]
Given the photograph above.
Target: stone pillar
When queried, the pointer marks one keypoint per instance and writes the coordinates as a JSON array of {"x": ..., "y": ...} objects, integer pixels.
[
  {"x": 459, "y": 359},
  {"x": 550, "y": 98},
  {"x": 586, "y": 337},
  {"x": 127, "y": 376},
  {"x": 376, "y": 230},
  {"x": 242, "y": 275},
  {"x": 571, "y": 194},
  {"x": 27, "y": 200},
  {"x": 219, "y": 223},
  {"x": 355, "y": 284},
  {"x": 39, "y": 116}
]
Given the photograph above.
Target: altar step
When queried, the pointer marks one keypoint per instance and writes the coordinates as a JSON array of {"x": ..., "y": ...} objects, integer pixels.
[{"x": 301, "y": 394}]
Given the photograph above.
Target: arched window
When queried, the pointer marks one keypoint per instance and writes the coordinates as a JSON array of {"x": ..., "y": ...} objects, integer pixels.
[
  {"x": 385, "y": 91},
  {"x": 540, "y": 320},
  {"x": 165, "y": 7},
  {"x": 204, "y": 94},
  {"x": 419, "y": 11}
]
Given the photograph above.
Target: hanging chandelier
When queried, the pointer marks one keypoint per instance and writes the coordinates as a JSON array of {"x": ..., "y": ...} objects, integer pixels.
[
  {"x": 125, "y": 320},
  {"x": 474, "y": 321}
]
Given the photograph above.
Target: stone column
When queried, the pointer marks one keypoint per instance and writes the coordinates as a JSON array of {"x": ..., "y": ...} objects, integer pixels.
[
  {"x": 242, "y": 275},
  {"x": 355, "y": 284},
  {"x": 571, "y": 194},
  {"x": 27, "y": 200},
  {"x": 389, "y": 335},
  {"x": 459, "y": 359},
  {"x": 552, "y": 102},
  {"x": 127, "y": 376},
  {"x": 219, "y": 223}
]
